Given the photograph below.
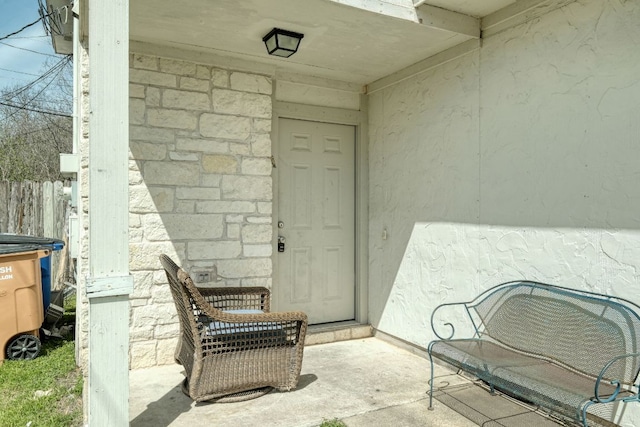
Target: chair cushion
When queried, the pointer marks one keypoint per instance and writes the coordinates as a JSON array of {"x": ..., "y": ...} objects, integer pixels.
[
  {"x": 223, "y": 328},
  {"x": 222, "y": 337}
]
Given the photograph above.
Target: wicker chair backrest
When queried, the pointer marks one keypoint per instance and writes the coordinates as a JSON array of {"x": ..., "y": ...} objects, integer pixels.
[
  {"x": 181, "y": 300},
  {"x": 580, "y": 330}
]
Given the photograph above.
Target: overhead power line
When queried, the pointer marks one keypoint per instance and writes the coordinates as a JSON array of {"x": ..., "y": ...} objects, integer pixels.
[
  {"x": 28, "y": 50},
  {"x": 23, "y": 28},
  {"x": 19, "y": 72},
  {"x": 22, "y": 107}
]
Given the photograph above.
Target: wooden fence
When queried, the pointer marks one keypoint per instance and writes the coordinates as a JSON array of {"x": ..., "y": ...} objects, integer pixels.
[{"x": 38, "y": 209}]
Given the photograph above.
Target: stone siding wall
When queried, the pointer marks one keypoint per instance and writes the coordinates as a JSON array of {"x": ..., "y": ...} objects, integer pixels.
[{"x": 200, "y": 187}]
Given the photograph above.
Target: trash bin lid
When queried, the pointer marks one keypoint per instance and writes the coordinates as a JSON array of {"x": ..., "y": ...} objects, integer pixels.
[
  {"x": 18, "y": 248},
  {"x": 12, "y": 243}
]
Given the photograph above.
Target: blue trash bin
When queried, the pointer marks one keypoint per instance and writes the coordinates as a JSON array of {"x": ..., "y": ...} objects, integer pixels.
[{"x": 14, "y": 243}]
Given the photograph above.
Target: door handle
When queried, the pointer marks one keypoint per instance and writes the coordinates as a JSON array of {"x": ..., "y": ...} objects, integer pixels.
[{"x": 281, "y": 241}]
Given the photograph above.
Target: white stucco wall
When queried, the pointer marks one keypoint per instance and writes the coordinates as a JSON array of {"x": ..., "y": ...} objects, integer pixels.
[{"x": 518, "y": 160}]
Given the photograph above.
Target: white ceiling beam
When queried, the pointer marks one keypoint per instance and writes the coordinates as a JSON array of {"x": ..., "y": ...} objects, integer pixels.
[
  {"x": 517, "y": 13},
  {"x": 427, "y": 15},
  {"x": 447, "y": 20}
]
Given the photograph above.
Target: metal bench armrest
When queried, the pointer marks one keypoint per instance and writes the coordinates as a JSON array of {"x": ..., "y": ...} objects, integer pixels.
[
  {"x": 449, "y": 324},
  {"x": 615, "y": 383}
]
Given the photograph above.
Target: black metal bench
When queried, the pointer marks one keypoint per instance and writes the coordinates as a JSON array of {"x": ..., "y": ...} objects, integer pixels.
[{"x": 564, "y": 350}]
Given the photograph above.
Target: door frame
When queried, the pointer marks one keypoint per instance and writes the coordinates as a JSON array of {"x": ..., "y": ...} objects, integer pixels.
[{"x": 340, "y": 116}]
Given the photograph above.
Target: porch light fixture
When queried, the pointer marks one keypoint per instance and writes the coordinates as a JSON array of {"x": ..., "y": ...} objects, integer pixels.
[{"x": 282, "y": 42}]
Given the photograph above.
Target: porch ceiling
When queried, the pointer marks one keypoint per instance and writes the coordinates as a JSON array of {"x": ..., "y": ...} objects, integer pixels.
[{"x": 342, "y": 42}]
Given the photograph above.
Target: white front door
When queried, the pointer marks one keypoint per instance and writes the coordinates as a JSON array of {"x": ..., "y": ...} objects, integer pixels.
[{"x": 316, "y": 219}]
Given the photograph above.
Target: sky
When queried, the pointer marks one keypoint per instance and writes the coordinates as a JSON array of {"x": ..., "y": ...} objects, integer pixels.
[{"x": 17, "y": 66}]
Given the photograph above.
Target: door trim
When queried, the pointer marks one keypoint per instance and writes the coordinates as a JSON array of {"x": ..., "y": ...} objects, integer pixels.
[{"x": 340, "y": 116}]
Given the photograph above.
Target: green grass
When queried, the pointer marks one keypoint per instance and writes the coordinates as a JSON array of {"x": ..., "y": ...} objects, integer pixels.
[
  {"x": 53, "y": 372},
  {"x": 333, "y": 423}
]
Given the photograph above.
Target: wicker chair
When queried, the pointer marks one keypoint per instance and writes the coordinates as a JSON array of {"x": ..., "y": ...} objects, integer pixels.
[{"x": 231, "y": 347}]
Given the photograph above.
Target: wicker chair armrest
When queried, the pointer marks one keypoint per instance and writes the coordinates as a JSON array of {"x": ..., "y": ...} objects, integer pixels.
[
  {"x": 290, "y": 325},
  {"x": 449, "y": 324},
  {"x": 256, "y": 298},
  {"x": 275, "y": 317},
  {"x": 615, "y": 382}
]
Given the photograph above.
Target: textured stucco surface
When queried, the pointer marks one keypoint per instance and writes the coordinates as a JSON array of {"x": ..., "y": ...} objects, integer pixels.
[{"x": 518, "y": 160}]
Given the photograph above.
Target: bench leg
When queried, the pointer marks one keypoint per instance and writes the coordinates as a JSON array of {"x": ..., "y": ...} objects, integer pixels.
[
  {"x": 584, "y": 413},
  {"x": 431, "y": 382}
]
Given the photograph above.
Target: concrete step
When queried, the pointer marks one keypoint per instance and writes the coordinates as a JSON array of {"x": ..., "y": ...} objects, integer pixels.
[{"x": 339, "y": 331}]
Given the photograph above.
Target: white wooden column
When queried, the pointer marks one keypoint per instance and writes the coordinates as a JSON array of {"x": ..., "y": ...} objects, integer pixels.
[{"x": 109, "y": 284}]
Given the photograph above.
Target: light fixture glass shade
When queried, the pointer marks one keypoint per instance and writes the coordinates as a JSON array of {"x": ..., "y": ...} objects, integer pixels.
[{"x": 282, "y": 43}]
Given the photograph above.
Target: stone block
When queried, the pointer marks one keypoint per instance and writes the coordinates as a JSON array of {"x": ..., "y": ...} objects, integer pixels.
[
  {"x": 241, "y": 103},
  {"x": 135, "y": 178},
  {"x": 262, "y": 125},
  {"x": 171, "y": 330},
  {"x": 259, "y": 219},
  {"x": 252, "y": 251},
  {"x": 185, "y": 100},
  {"x": 152, "y": 78},
  {"x": 256, "y": 166},
  {"x": 190, "y": 83},
  {"x": 161, "y": 294},
  {"x": 182, "y": 226},
  {"x": 176, "y": 119},
  {"x": 257, "y": 233},
  {"x": 220, "y": 78},
  {"x": 239, "y": 148},
  {"x": 213, "y": 250},
  {"x": 225, "y": 127},
  {"x": 144, "y": 333},
  {"x": 234, "y": 219},
  {"x": 210, "y": 180},
  {"x": 143, "y": 256},
  {"x": 181, "y": 68},
  {"x": 142, "y": 354},
  {"x": 261, "y": 145},
  {"x": 265, "y": 208},
  {"x": 202, "y": 145},
  {"x": 145, "y": 62},
  {"x": 264, "y": 282},
  {"x": 166, "y": 350},
  {"x": 244, "y": 268},
  {"x": 183, "y": 157},
  {"x": 198, "y": 193},
  {"x": 136, "y": 111},
  {"x": 135, "y": 221},
  {"x": 203, "y": 72},
  {"x": 233, "y": 231},
  {"x": 150, "y": 200},
  {"x": 143, "y": 282},
  {"x": 171, "y": 173},
  {"x": 251, "y": 83},
  {"x": 219, "y": 164},
  {"x": 224, "y": 206},
  {"x": 185, "y": 207},
  {"x": 147, "y": 150},
  {"x": 153, "y": 97},
  {"x": 246, "y": 188},
  {"x": 141, "y": 133},
  {"x": 136, "y": 91}
]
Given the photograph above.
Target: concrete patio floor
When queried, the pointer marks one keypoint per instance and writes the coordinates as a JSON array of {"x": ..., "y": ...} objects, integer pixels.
[{"x": 364, "y": 382}]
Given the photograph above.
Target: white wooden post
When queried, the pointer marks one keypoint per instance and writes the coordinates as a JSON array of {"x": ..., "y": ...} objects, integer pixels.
[{"x": 109, "y": 284}]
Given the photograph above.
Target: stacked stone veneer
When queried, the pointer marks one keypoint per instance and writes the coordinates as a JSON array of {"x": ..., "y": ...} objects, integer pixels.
[{"x": 200, "y": 187}]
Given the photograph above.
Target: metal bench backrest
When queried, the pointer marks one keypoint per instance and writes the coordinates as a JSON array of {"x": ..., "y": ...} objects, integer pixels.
[{"x": 580, "y": 330}]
